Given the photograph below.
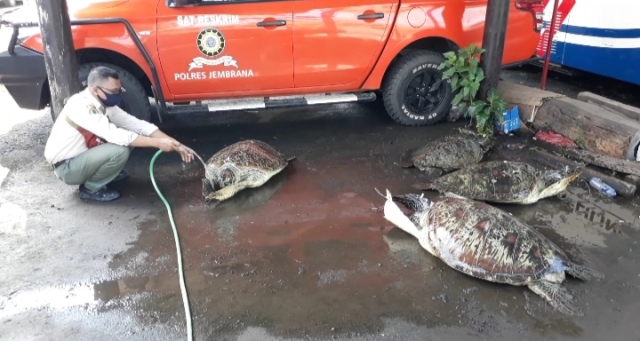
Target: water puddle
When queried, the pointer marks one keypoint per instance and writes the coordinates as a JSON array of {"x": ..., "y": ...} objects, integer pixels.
[{"x": 305, "y": 256}]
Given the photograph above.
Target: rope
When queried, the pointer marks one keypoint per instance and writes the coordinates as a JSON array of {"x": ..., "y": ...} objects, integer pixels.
[{"x": 183, "y": 288}]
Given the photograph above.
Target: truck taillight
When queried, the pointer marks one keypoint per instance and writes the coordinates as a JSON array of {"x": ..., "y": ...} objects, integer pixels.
[{"x": 536, "y": 7}]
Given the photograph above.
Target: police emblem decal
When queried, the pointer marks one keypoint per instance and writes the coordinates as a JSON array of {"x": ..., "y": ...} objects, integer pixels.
[{"x": 210, "y": 42}]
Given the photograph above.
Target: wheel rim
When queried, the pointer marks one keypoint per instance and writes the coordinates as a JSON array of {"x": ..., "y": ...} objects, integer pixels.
[{"x": 425, "y": 92}]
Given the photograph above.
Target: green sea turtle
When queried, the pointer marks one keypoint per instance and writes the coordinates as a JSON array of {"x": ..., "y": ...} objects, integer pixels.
[
  {"x": 502, "y": 182},
  {"x": 485, "y": 242},
  {"x": 449, "y": 153},
  {"x": 245, "y": 164}
]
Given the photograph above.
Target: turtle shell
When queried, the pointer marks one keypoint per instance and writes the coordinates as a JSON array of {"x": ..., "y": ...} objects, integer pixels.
[
  {"x": 482, "y": 241},
  {"x": 497, "y": 181},
  {"x": 450, "y": 153},
  {"x": 236, "y": 161}
]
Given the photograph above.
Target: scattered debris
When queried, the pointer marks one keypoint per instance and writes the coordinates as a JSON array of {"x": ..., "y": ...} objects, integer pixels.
[
  {"x": 623, "y": 188},
  {"x": 602, "y": 187},
  {"x": 440, "y": 297},
  {"x": 555, "y": 139},
  {"x": 511, "y": 121}
]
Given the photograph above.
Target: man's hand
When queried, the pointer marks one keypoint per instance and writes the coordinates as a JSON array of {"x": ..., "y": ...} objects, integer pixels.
[
  {"x": 160, "y": 140},
  {"x": 185, "y": 153},
  {"x": 169, "y": 144}
]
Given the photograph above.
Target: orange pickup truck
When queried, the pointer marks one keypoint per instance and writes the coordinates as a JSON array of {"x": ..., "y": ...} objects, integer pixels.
[{"x": 195, "y": 56}]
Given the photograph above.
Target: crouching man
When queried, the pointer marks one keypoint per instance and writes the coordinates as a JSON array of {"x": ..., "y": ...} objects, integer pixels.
[{"x": 91, "y": 140}]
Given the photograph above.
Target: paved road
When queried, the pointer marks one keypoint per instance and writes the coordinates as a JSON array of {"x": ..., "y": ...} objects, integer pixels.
[{"x": 307, "y": 256}]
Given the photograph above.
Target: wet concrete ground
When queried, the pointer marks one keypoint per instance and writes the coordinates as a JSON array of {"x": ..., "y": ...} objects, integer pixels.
[{"x": 307, "y": 256}]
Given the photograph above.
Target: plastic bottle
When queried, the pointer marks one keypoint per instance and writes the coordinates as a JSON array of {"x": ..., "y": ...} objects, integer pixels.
[{"x": 602, "y": 187}]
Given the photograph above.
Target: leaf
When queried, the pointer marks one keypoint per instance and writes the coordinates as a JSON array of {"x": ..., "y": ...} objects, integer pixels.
[
  {"x": 481, "y": 119},
  {"x": 476, "y": 107},
  {"x": 499, "y": 106},
  {"x": 448, "y": 73},
  {"x": 473, "y": 70},
  {"x": 454, "y": 81},
  {"x": 458, "y": 98},
  {"x": 478, "y": 104},
  {"x": 449, "y": 55},
  {"x": 476, "y": 85},
  {"x": 480, "y": 75},
  {"x": 474, "y": 89},
  {"x": 466, "y": 91}
]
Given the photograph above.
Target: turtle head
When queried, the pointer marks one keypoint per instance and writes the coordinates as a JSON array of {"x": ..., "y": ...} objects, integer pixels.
[
  {"x": 553, "y": 182},
  {"x": 220, "y": 178},
  {"x": 393, "y": 214},
  {"x": 212, "y": 177}
]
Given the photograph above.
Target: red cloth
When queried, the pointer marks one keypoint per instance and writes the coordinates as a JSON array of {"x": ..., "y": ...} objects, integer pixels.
[
  {"x": 90, "y": 139},
  {"x": 554, "y": 138}
]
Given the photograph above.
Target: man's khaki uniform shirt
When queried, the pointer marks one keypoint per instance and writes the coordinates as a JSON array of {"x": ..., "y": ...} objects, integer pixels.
[{"x": 84, "y": 123}]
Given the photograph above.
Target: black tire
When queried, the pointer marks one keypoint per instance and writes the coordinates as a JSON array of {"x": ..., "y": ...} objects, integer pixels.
[
  {"x": 135, "y": 100},
  {"x": 404, "y": 73}
]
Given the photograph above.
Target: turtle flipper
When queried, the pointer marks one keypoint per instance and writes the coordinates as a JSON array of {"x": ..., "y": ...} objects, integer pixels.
[
  {"x": 423, "y": 185},
  {"x": 557, "y": 296},
  {"x": 583, "y": 273},
  {"x": 453, "y": 195},
  {"x": 225, "y": 193}
]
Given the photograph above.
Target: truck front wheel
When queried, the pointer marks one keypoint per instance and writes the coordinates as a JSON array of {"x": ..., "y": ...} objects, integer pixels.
[
  {"x": 134, "y": 99},
  {"x": 414, "y": 94}
]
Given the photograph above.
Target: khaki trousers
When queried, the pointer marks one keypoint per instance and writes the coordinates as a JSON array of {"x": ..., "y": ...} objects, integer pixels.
[{"x": 94, "y": 168}]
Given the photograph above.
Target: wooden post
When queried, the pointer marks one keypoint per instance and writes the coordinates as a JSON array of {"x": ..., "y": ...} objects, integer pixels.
[
  {"x": 59, "y": 53},
  {"x": 495, "y": 30},
  {"x": 593, "y": 128}
]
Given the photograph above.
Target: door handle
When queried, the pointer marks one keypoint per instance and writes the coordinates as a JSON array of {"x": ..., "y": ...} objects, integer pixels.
[
  {"x": 272, "y": 23},
  {"x": 371, "y": 16}
]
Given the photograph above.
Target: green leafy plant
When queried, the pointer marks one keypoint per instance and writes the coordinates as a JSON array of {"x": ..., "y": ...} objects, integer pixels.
[
  {"x": 486, "y": 114},
  {"x": 465, "y": 73}
]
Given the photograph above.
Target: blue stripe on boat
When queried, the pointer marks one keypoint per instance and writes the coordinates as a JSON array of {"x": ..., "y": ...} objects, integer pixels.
[
  {"x": 599, "y": 32},
  {"x": 620, "y": 64}
]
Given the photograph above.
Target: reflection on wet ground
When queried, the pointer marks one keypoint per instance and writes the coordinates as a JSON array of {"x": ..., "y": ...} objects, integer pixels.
[{"x": 310, "y": 255}]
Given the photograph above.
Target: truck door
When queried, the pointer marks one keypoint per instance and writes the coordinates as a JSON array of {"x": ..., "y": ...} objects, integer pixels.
[
  {"x": 226, "y": 46},
  {"x": 335, "y": 42}
]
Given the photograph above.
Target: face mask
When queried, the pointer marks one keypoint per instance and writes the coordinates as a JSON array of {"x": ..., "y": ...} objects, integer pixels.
[{"x": 111, "y": 100}]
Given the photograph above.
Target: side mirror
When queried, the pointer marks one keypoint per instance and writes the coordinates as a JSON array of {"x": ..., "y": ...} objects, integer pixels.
[{"x": 182, "y": 3}]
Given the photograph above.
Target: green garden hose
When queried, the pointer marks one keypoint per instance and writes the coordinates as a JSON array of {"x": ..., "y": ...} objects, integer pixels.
[{"x": 183, "y": 287}]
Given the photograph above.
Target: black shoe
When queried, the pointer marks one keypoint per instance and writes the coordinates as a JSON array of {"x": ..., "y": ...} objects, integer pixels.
[
  {"x": 104, "y": 194},
  {"x": 123, "y": 175}
]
